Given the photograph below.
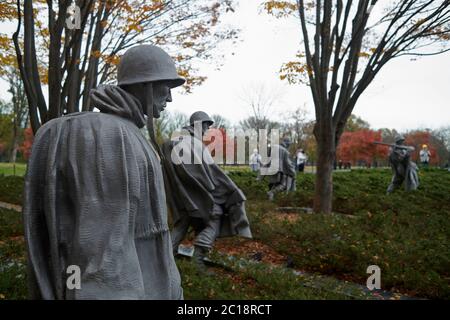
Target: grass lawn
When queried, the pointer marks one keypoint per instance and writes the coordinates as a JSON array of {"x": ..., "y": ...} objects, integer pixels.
[
  {"x": 405, "y": 234},
  {"x": 254, "y": 282},
  {"x": 9, "y": 169}
]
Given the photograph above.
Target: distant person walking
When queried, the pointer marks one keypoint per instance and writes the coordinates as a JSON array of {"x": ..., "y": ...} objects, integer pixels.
[
  {"x": 255, "y": 161},
  {"x": 301, "y": 160},
  {"x": 425, "y": 155}
]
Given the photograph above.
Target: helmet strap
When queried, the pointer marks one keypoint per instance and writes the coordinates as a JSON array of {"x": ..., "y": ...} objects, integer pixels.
[{"x": 148, "y": 89}]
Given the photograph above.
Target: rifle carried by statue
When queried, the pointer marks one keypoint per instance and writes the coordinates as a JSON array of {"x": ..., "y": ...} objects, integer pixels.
[{"x": 393, "y": 145}]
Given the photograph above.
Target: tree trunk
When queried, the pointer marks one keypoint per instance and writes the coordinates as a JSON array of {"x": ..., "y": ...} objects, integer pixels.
[
  {"x": 326, "y": 150},
  {"x": 15, "y": 147},
  {"x": 15, "y": 139}
]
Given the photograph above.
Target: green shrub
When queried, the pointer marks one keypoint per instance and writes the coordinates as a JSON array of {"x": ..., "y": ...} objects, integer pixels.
[
  {"x": 11, "y": 189},
  {"x": 405, "y": 234}
]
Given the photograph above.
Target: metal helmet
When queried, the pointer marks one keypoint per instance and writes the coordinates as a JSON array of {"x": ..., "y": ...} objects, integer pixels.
[
  {"x": 147, "y": 63},
  {"x": 399, "y": 138},
  {"x": 200, "y": 116}
]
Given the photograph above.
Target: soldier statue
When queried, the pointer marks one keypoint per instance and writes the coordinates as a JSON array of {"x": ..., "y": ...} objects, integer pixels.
[
  {"x": 403, "y": 168},
  {"x": 283, "y": 176},
  {"x": 95, "y": 211},
  {"x": 202, "y": 195}
]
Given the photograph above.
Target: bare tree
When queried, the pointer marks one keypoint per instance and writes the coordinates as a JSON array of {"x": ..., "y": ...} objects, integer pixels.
[
  {"x": 438, "y": 140},
  {"x": 178, "y": 120},
  {"x": 355, "y": 123},
  {"x": 168, "y": 123},
  {"x": 343, "y": 53},
  {"x": 220, "y": 122},
  {"x": 295, "y": 125},
  {"x": 19, "y": 109},
  {"x": 388, "y": 135},
  {"x": 160, "y": 126},
  {"x": 258, "y": 123},
  {"x": 261, "y": 100},
  {"x": 443, "y": 134}
]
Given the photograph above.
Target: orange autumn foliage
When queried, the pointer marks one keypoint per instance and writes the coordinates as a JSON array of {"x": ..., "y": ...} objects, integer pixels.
[
  {"x": 358, "y": 146},
  {"x": 419, "y": 138},
  {"x": 25, "y": 147}
]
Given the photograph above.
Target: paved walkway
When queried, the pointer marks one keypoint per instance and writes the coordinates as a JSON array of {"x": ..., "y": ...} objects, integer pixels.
[{"x": 9, "y": 206}]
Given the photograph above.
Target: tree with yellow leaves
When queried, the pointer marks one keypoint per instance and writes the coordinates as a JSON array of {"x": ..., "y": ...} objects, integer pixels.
[
  {"x": 7, "y": 55},
  {"x": 345, "y": 45},
  {"x": 73, "y": 46}
]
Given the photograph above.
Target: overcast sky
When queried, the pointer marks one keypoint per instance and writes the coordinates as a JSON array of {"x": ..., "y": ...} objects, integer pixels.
[{"x": 405, "y": 94}]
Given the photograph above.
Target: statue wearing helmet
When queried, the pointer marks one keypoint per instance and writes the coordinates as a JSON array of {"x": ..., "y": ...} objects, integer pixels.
[
  {"x": 200, "y": 117},
  {"x": 95, "y": 192},
  {"x": 404, "y": 170},
  {"x": 202, "y": 195},
  {"x": 282, "y": 178}
]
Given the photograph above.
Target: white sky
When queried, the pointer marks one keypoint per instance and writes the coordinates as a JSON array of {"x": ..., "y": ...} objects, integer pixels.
[{"x": 404, "y": 95}]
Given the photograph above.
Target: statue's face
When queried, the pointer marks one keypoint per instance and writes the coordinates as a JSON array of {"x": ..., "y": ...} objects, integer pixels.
[{"x": 161, "y": 95}]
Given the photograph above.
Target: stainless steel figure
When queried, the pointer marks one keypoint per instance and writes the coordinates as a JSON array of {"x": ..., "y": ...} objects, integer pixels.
[{"x": 94, "y": 193}]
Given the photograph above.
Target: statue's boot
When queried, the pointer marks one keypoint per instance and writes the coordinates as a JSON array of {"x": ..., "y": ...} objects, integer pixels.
[
  {"x": 390, "y": 189},
  {"x": 199, "y": 259}
]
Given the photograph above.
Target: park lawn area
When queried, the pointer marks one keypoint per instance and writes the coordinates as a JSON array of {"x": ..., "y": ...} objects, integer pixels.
[
  {"x": 254, "y": 282},
  {"x": 8, "y": 169},
  {"x": 405, "y": 234}
]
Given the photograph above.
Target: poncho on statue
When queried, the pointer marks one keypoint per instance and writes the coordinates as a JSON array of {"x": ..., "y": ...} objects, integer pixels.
[
  {"x": 195, "y": 186},
  {"x": 94, "y": 198},
  {"x": 280, "y": 169},
  {"x": 403, "y": 168}
]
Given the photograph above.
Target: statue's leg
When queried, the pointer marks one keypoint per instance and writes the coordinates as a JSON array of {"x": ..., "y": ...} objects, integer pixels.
[
  {"x": 179, "y": 231},
  {"x": 390, "y": 188},
  {"x": 270, "y": 193},
  {"x": 398, "y": 183},
  {"x": 209, "y": 234},
  {"x": 395, "y": 183},
  {"x": 204, "y": 241},
  {"x": 291, "y": 185},
  {"x": 278, "y": 187},
  {"x": 397, "y": 179}
]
